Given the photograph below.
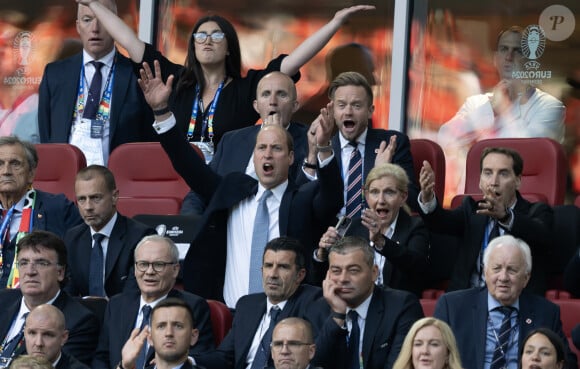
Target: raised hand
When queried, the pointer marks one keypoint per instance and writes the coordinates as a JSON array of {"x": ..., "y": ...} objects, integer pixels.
[
  {"x": 343, "y": 14},
  {"x": 386, "y": 152},
  {"x": 156, "y": 92},
  {"x": 133, "y": 346},
  {"x": 427, "y": 182}
]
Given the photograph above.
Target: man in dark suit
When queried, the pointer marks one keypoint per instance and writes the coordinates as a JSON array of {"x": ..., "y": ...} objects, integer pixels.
[
  {"x": 64, "y": 90},
  {"x": 502, "y": 211},
  {"x": 157, "y": 267},
  {"x": 44, "y": 335},
  {"x": 360, "y": 325},
  {"x": 276, "y": 101},
  {"x": 173, "y": 331},
  {"x": 351, "y": 108},
  {"x": 478, "y": 316},
  {"x": 283, "y": 269},
  {"x": 105, "y": 229},
  {"x": 572, "y": 275},
  {"x": 216, "y": 264},
  {"x": 42, "y": 269},
  {"x": 292, "y": 344},
  {"x": 26, "y": 209}
]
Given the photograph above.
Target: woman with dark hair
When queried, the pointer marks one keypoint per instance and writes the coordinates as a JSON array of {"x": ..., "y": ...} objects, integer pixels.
[
  {"x": 542, "y": 349},
  {"x": 208, "y": 94}
]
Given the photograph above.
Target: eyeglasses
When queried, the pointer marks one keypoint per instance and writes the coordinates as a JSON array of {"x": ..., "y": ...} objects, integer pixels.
[
  {"x": 158, "y": 266},
  {"x": 36, "y": 265},
  {"x": 291, "y": 345},
  {"x": 201, "y": 37}
]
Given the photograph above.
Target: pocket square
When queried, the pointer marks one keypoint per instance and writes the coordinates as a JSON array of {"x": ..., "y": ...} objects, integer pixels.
[{"x": 383, "y": 345}]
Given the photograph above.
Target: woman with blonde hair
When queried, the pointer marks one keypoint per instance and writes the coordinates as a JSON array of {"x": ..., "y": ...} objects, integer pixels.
[{"x": 430, "y": 344}]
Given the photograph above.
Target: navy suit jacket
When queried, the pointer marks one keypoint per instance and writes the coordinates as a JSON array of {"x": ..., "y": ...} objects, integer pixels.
[
  {"x": 532, "y": 223},
  {"x": 402, "y": 157},
  {"x": 120, "y": 318},
  {"x": 68, "y": 362},
  {"x": 305, "y": 212},
  {"x": 467, "y": 314},
  {"x": 130, "y": 119},
  {"x": 250, "y": 309},
  {"x": 390, "y": 316},
  {"x": 234, "y": 152},
  {"x": 407, "y": 253},
  {"x": 119, "y": 266},
  {"x": 81, "y": 323},
  {"x": 572, "y": 275},
  {"x": 54, "y": 213}
]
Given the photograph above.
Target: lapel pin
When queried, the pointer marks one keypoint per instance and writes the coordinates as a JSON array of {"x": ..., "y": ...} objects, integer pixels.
[
  {"x": 528, "y": 321},
  {"x": 39, "y": 216}
]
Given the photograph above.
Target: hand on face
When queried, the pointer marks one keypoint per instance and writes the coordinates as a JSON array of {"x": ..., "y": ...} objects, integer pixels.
[{"x": 330, "y": 292}]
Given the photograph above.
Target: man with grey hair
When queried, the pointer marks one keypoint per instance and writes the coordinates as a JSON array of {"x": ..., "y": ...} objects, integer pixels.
[
  {"x": 91, "y": 99},
  {"x": 24, "y": 208},
  {"x": 491, "y": 322},
  {"x": 156, "y": 269},
  {"x": 292, "y": 344}
]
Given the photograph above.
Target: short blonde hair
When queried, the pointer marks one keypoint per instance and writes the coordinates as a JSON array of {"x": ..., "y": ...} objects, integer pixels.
[
  {"x": 389, "y": 170},
  {"x": 405, "y": 359},
  {"x": 30, "y": 362}
]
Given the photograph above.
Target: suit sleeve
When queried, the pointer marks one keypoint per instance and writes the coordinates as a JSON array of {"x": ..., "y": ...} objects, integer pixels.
[
  {"x": 101, "y": 358},
  {"x": 44, "y": 108},
  {"x": 572, "y": 275},
  {"x": 534, "y": 227},
  {"x": 201, "y": 314},
  {"x": 223, "y": 356},
  {"x": 442, "y": 309},
  {"x": 329, "y": 199},
  {"x": 83, "y": 336}
]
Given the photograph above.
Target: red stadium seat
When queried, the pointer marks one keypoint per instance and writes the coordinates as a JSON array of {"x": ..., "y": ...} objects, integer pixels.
[
  {"x": 146, "y": 180},
  {"x": 58, "y": 165},
  {"x": 221, "y": 320},
  {"x": 428, "y": 306},
  {"x": 422, "y": 149},
  {"x": 545, "y": 168}
]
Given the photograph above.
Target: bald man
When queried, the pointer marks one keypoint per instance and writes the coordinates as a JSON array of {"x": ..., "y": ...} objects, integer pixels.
[{"x": 45, "y": 334}]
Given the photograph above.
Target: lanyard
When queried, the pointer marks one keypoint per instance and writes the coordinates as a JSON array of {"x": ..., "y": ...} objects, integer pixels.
[
  {"x": 105, "y": 105},
  {"x": 208, "y": 119}
]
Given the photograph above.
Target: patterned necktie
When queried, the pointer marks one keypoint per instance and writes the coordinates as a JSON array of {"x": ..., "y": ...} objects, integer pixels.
[
  {"x": 263, "y": 354},
  {"x": 16, "y": 342},
  {"x": 96, "y": 267},
  {"x": 353, "y": 341},
  {"x": 142, "y": 358},
  {"x": 259, "y": 241},
  {"x": 503, "y": 337},
  {"x": 94, "y": 96},
  {"x": 354, "y": 183}
]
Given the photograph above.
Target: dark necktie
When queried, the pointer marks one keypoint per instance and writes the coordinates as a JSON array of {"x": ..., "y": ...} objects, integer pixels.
[
  {"x": 142, "y": 358},
  {"x": 94, "y": 96},
  {"x": 494, "y": 231},
  {"x": 259, "y": 241},
  {"x": 502, "y": 339},
  {"x": 263, "y": 354},
  {"x": 96, "y": 287},
  {"x": 353, "y": 341},
  {"x": 16, "y": 342},
  {"x": 354, "y": 183}
]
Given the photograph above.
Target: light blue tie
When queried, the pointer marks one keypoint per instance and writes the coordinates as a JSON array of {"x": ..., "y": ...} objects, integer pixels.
[{"x": 259, "y": 241}]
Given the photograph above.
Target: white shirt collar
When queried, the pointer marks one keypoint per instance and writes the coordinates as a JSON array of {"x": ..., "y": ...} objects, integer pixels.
[
  {"x": 363, "y": 308},
  {"x": 361, "y": 139},
  {"x": 108, "y": 228},
  {"x": 107, "y": 59},
  {"x": 277, "y": 191}
]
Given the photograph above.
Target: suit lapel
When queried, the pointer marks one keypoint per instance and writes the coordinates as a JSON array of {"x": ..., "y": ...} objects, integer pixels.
[
  {"x": 285, "y": 204},
  {"x": 371, "y": 145},
  {"x": 39, "y": 221},
  {"x": 9, "y": 315},
  {"x": 115, "y": 244},
  {"x": 526, "y": 318},
  {"x": 84, "y": 257},
  {"x": 337, "y": 150},
  {"x": 479, "y": 319},
  {"x": 69, "y": 90},
  {"x": 123, "y": 73},
  {"x": 375, "y": 314}
]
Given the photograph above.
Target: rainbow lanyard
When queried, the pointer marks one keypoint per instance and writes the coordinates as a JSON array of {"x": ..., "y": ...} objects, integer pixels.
[
  {"x": 208, "y": 119},
  {"x": 105, "y": 105}
]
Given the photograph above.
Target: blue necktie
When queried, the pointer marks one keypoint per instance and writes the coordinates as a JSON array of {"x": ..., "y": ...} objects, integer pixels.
[
  {"x": 263, "y": 354},
  {"x": 142, "y": 358},
  {"x": 354, "y": 184},
  {"x": 94, "y": 96},
  {"x": 96, "y": 267},
  {"x": 353, "y": 340},
  {"x": 259, "y": 241},
  {"x": 503, "y": 337},
  {"x": 16, "y": 342}
]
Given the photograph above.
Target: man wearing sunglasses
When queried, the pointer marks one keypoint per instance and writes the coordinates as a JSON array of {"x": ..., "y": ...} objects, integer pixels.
[{"x": 156, "y": 269}]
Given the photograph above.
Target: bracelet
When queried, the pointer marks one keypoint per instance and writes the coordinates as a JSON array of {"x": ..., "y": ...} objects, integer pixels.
[
  {"x": 306, "y": 164},
  {"x": 162, "y": 111},
  {"x": 326, "y": 148},
  {"x": 340, "y": 316}
]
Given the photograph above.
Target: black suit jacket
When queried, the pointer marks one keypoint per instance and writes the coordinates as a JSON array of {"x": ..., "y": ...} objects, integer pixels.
[
  {"x": 120, "y": 318},
  {"x": 572, "y": 275},
  {"x": 304, "y": 212},
  {"x": 54, "y": 213},
  {"x": 402, "y": 157},
  {"x": 233, "y": 155},
  {"x": 532, "y": 223},
  {"x": 119, "y": 266},
  {"x": 250, "y": 309},
  {"x": 81, "y": 323},
  {"x": 68, "y": 362},
  {"x": 407, "y": 253},
  {"x": 390, "y": 316},
  {"x": 467, "y": 314},
  {"x": 130, "y": 119}
]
